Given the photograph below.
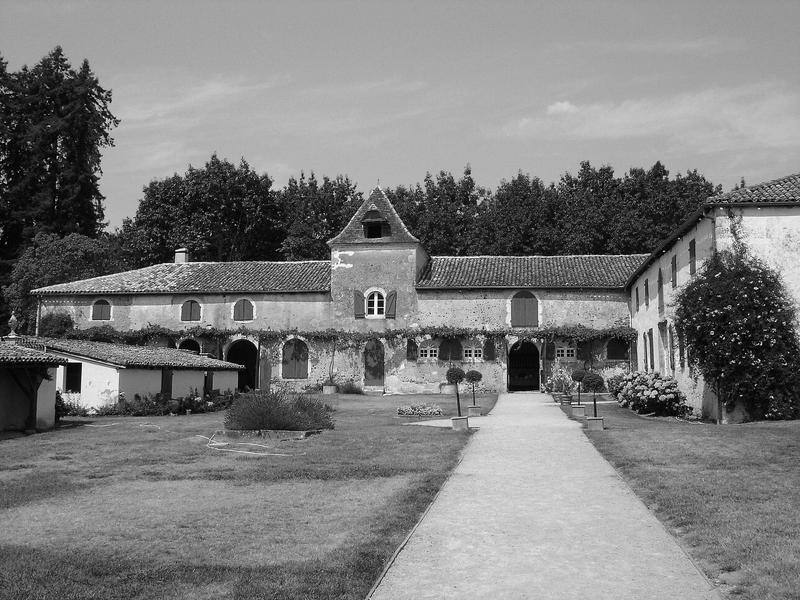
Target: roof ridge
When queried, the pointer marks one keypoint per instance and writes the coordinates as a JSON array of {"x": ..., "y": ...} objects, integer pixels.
[{"x": 540, "y": 255}]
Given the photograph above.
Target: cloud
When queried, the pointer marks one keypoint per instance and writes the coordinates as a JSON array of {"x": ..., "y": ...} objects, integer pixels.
[{"x": 707, "y": 121}]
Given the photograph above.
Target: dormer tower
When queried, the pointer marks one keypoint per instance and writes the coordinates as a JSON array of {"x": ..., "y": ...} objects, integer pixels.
[{"x": 375, "y": 262}]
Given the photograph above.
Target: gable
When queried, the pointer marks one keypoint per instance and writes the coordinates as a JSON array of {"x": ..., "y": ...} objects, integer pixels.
[{"x": 375, "y": 214}]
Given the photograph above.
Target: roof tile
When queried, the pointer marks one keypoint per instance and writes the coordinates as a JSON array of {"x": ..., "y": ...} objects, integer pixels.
[
  {"x": 12, "y": 353},
  {"x": 785, "y": 189},
  {"x": 587, "y": 271},
  {"x": 353, "y": 233}
]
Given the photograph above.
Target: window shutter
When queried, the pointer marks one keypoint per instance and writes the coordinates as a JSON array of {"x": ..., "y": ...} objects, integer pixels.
[
  {"x": 550, "y": 351},
  {"x": 186, "y": 312},
  {"x": 391, "y": 305},
  {"x": 238, "y": 309},
  {"x": 195, "y": 310},
  {"x": 412, "y": 350},
  {"x": 358, "y": 304},
  {"x": 489, "y": 351}
]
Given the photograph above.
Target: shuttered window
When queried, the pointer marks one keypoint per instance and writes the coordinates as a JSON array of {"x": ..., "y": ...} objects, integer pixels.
[
  {"x": 243, "y": 310},
  {"x": 376, "y": 304},
  {"x": 190, "y": 311},
  {"x": 451, "y": 349},
  {"x": 295, "y": 360},
  {"x": 391, "y": 305},
  {"x": 524, "y": 310},
  {"x": 358, "y": 304},
  {"x": 101, "y": 311},
  {"x": 489, "y": 352}
]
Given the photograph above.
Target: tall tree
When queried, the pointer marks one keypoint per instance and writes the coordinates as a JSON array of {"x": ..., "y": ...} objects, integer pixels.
[
  {"x": 220, "y": 212},
  {"x": 316, "y": 213}
]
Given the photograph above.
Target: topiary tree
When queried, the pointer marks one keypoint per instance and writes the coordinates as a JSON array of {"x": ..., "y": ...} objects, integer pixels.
[
  {"x": 578, "y": 376},
  {"x": 473, "y": 377},
  {"x": 592, "y": 382},
  {"x": 455, "y": 376},
  {"x": 739, "y": 323}
]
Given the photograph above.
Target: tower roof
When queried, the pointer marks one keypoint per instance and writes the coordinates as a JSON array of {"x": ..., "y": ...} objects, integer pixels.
[{"x": 374, "y": 209}]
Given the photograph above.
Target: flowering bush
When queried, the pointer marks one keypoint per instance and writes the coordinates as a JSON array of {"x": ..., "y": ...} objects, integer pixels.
[
  {"x": 559, "y": 381},
  {"x": 614, "y": 383},
  {"x": 651, "y": 393},
  {"x": 419, "y": 410}
]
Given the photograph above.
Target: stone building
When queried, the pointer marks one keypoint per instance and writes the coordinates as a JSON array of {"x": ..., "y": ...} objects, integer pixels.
[
  {"x": 381, "y": 312},
  {"x": 767, "y": 217}
]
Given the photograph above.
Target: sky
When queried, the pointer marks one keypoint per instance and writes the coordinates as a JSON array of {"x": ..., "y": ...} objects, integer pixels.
[{"x": 385, "y": 92}]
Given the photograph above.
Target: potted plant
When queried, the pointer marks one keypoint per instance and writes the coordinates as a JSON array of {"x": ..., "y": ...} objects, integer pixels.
[
  {"x": 455, "y": 375},
  {"x": 594, "y": 383},
  {"x": 329, "y": 385},
  {"x": 578, "y": 376},
  {"x": 473, "y": 377}
]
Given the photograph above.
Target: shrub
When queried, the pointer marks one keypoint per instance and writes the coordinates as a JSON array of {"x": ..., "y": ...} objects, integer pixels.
[
  {"x": 652, "y": 393},
  {"x": 614, "y": 384},
  {"x": 473, "y": 377},
  {"x": 55, "y": 324},
  {"x": 455, "y": 375},
  {"x": 149, "y": 405},
  {"x": 66, "y": 406},
  {"x": 350, "y": 387},
  {"x": 108, "y": 410},
  {"x": 419, "y": 410},
  {"x": 559, "y": 381},
  {"x": 578, "y": 375},
  {"x": 593, "y": 382},
  {"x": 278, "y": 409}
]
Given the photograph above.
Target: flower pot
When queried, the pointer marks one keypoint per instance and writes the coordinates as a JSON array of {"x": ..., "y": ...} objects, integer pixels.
[
  {"x": 473, "y": 411},
  {"x": 447, "y": 388},
  {"x": 329, "y": 389},
  {"x": 594, "y": 423},
  {"x": 578, "y": 410},
  {"x": 460, "y": 423}
]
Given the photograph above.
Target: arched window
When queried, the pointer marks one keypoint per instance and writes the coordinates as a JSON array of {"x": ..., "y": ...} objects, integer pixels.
[
  {"x": 101, "y": 311},
  {"x": 451, "y": 349},
  {"x": 376, "y": 305},
  {"x": 524, "y": 310},
  {"x": 243, "y": 310},
  {"x": 294, "y": 364},
  {"x": 617, "y": 350},
  {"x": 428, "y": 349},
  {"x": 190, "y": 311},
  {"x": 190, "y": 344}
]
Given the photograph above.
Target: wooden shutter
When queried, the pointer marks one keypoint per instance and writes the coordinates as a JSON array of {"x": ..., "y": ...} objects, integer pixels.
[
  {"x": 489, "y": 351},
  {"x": 243, "y": 310},
  {"x": 391, "y": 305},
  {"x": 295, "y": 360},
  {"x": 186, "y": 312},
  {"x": 412, "y": 350},
  {"x": 524, "y": 310},
  {"x": 101, "y": 311},
  {"x": 451, "y": 349},
  {"x": 358, "y": 304}
]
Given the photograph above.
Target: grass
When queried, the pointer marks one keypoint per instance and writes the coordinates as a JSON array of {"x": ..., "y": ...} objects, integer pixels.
[
  {"x": 728, "y": 493},
  {"x": 140, "y": 507}
]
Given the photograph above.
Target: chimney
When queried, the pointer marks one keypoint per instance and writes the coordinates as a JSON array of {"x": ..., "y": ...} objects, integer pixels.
[{"x": 181, "y": 255}]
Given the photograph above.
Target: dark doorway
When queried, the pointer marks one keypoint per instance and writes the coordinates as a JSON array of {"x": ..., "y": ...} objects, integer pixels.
[
  {"x": 72, "y": 381},
  {"x": 373, "y": 363},
  {"x": 523, "y": 366},
  {"x": 243, "y": 352},
  {"x": 190, "y": 345}
]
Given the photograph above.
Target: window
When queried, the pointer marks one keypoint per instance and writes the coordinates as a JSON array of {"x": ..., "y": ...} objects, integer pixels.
[
  {"x": 294, "y": 363},
  {"x": 671, "y": 334},
  {"x": 692, "y": 257},
  {"x": 429, "y": 352},
  {"x": 72, "y": 381},
  {"x": 644, "y": 350},
  {"x": 652, "y": 349},
  {"x": 674, "y": 271},
  {"x": 660, "y": 292},
  {"x": 473, "y": 353},
  {"x": 243, "y": 310},
  {"x": 190, "y": 311},
  {"x": 101, "y": 311},
  {"x": 376, "y": 305},
  {"x": 617, "y": 350},
  {"x": 637, "y": 298},
  {"x": 375, "y": 226},
  {"x": 646, "y": 294},
  {"x": 524, "y": 310},
  {"x": 564, "y": 352}
]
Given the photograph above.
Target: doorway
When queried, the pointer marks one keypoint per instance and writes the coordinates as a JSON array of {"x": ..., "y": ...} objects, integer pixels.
[
  {"x": 373, "y": 363},
  {"x": 523, "y": 366},
  {"x": 244, "y": 352}
]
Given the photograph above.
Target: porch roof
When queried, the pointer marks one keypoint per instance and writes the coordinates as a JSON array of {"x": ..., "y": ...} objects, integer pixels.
[{"x": 13, "y": 354}]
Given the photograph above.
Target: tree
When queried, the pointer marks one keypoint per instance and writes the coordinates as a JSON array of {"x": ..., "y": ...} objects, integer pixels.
[
  {"x": 315, "y": 213},
  {"x": 220, "y": 213},
  {"x": 51, "y": 260},
  {"x": 739, "y": 325}
]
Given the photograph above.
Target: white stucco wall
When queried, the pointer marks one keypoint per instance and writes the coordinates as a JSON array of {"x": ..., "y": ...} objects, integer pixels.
[
  {"x": 225, "y": 381},
  {"x": 46, "y": 401},
  {"x": 139, "y": 381},
  {"x": 186, "y": 382}
]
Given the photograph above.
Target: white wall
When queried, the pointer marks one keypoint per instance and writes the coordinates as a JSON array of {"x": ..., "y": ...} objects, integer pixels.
[
  {"x": 186, "y": 382},
  {"x": 225, "y": 381},
  {"x": 139, "y": 381},
  {"x": 46, "y": 401}
]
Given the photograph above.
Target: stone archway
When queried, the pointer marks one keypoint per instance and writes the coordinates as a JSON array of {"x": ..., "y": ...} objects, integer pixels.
[
  {"x": 244, "y": 352},
  {"x": 523, "y": 366},
  {"x": 189, "y": 344}
]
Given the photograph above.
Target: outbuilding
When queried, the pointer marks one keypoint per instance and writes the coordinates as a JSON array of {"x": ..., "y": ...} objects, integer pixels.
[{"x": 27, "y": 387}]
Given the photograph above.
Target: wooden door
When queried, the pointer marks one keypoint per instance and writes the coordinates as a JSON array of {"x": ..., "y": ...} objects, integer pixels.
[{"x": 373, "y": 363}]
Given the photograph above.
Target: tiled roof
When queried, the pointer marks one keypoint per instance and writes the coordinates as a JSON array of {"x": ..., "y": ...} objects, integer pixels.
[
  {"x": 785, "y": 189},
  {"x": 206, "y": 277},
  {"x": 146, "y": 357},
  {"x": 587, "y": 271},
  {"x": 353, "y": 233},
  {"x": 13, "y": 354}
]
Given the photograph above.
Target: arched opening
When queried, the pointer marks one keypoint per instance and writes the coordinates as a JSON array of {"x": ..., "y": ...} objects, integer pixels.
[
  {"x": 190, "y": 311},
  {"x": 243, "y": 310},
  {"x": 523, "y": 366},
  {"x": 373, "y": 363},
  {"x": 190, "y": 344},
  {"x": 294, "y": 363},
  {"x": 617, "y": 350},
  {"x": 244, "y": 352},
  {"x": 524, "y": 310},
  {"x": 101, "y": 311}
]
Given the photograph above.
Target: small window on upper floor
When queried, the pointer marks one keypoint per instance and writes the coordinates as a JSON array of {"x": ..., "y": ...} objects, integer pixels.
[
  {"x": 646, "y": 294},
  {"x": 101, "y": 311},
  {"x": 243, "y": 310},
  {"x": 692, "y": 257},
  {"x": 190, "y": 311},
  {"x": 376, "y": 305},
  {"x": 375, "y": 226},
  {"x": 674, "y": 271}
]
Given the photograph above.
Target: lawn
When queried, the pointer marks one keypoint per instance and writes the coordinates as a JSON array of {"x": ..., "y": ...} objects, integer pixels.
[
  {"x": 140, "y": 507},
  {"x": 730, "y": 494}
]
